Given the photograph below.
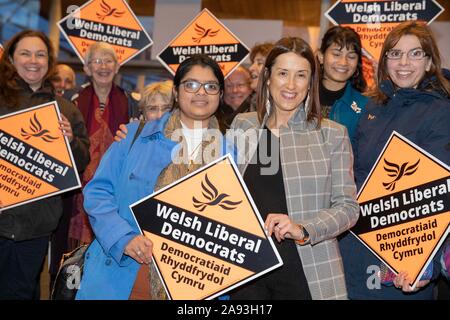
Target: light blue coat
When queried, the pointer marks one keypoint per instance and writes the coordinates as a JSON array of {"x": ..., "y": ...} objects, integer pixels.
[{"x": 124, "y": 176}]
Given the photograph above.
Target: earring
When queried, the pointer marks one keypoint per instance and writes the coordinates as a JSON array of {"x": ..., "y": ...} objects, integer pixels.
[
  {"x": 268, "y": 106},
  {"x": 307, "y": 104}
]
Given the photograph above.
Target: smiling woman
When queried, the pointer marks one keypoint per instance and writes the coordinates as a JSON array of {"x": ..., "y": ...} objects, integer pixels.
[
  {"x": 411, "y": 97},
  {"x": 25, "y": 69},
  {"x": 104, "y": 106},
  {"x": 310, "y": 198},
  {"x": 341, "y": 78},
  {"x": 119, "y": 266}
]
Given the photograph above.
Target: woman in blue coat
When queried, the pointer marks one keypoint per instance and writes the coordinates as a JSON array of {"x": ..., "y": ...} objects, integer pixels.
[
  {"x": 117, "y": 263},
  {"x": 341, "y": 79},
  {"x": 412, "y": 98}
]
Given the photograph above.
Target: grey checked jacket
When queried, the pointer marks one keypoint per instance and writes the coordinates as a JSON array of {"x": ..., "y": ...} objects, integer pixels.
[{"x": 320, "y": 190}]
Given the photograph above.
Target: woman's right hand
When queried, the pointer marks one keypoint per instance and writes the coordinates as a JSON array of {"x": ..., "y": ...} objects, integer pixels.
[
  {"x": 121, "y": 133},
  {"x": 140, "y": 249}
]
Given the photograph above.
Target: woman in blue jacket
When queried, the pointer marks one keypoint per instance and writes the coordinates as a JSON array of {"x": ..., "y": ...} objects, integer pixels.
[
  {"x": 117, "y": 263},
  {"x": 342, "y": 81},
  {"x": 412, "y": 98}
]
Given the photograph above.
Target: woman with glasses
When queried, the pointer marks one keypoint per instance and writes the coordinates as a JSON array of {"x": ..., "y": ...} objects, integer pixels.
[
  {"x": 411, "y": 97},
  {"x": 166, "y": 150},
  {"x": 104, "y": 106},
  {"x": 156, "y": 100},
  {"x": 26, "y": 68}
]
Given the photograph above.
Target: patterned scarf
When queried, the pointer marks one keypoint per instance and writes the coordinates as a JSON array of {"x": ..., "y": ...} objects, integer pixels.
[{"x": 180, "y": 167}]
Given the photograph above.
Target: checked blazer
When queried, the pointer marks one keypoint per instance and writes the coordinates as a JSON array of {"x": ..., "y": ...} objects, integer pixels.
[{"x": 317, "y": 167}]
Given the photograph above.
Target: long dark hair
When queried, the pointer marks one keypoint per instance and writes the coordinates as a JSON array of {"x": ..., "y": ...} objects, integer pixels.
[
  {"x": 8, "y": 74},
  {"x": 346, "y": 37},
  {"x": 428, "y": 43},
  {"x": 301, "y": 48},
  {"x": 197, "y": 60}
]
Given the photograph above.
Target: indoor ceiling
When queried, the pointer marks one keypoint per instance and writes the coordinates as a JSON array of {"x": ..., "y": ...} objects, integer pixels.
[{"x": 292, "y": 12}]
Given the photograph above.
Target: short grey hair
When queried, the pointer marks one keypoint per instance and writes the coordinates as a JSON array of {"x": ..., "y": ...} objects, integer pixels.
[{"x": 102, "y": 47}]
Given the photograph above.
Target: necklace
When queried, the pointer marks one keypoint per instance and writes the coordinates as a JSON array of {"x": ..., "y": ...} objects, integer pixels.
[{"x": 192, "y": 154}]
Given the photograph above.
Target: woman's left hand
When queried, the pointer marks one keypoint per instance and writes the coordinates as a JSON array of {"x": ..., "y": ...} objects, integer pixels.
[
  {"x": 66, "y": 128},
  {"x": 282, "y": 227},
  {"x": 402, "y": 281}
]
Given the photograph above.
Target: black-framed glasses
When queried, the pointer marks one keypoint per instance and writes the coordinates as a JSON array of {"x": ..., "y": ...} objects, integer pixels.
[
  {"x": 413, "y": 54},
  {"x": 193, "y": 86}
]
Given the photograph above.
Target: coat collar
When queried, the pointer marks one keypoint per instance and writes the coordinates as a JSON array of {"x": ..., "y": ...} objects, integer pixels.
[{"x": 297, "y": 122}]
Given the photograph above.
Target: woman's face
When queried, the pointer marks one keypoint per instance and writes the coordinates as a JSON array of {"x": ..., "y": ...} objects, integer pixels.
[
  {"x": 289, "y": 81},
  {"x": 197, "y": 106},
  {"x": 156, "y": 107},
  {"x": 30, "y": 58},
  {"x": 339, "y": 65},
  {"x": 102, "y": 68},
  {"x": 406, "y": 72},
  {"x": 255, "y": 69}
]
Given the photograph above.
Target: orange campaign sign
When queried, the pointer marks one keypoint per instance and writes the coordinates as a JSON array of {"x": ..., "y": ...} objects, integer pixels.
[
  {"x": 208, "y": 236},
  {"x": 373, "y": 20},
  {"x": 35, "y": 158},
  {"x": 405, "y": 207},
  {"x": 205, "y": 34},
  {"x": 110, "y": 21}
]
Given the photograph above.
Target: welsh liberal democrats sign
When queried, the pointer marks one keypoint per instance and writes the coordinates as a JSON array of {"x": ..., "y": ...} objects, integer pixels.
[
  {"x": 373, "y": 20},
  {"x": 207, "y": 234},
  {"x": 405, "y": 207},
  {"x": 36, "y": 160}
]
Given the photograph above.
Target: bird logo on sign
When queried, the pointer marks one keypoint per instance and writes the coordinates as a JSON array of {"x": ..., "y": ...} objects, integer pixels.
[
  {"x": 203, "y": 33},
  {"x": 37, "y": 131},
  {"x": 213, "y": 198},
  {"x": 394, "y": 170},
  {"x": 108, "y": 11}
]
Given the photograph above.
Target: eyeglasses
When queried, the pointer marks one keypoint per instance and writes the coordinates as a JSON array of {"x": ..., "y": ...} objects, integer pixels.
[
  {"x": 154, "y": 109},
  {"x": 99, "y": 62},
  {"x": 413, "y": 54},
  {"x": 193, "y": 86},
  {"x": 239, "y": 86}
]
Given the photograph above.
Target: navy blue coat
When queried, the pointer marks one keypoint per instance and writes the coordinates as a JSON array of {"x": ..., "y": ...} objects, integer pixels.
[{"x": 424, "y": 118}]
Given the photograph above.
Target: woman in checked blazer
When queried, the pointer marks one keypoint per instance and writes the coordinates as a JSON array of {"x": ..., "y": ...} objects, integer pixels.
[{"x": 298, "y": 169}]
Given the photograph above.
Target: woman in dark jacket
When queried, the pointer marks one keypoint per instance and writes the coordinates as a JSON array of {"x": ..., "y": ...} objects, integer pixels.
[
  {"x": 412, "y": 98},
  {"x": 341, "y": 79},
  {"x": 25, "y": 68}
]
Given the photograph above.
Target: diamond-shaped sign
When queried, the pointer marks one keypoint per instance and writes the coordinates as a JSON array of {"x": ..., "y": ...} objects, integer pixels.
[
  {"x": 405, "y": 207},
  {"x": 373, "y": 20},
  {"x": 36, "y": 160},
  {"x": 207, "y": 234},
  {"x": 205, "y": 34},
  {"x": 110, "y": 21}
]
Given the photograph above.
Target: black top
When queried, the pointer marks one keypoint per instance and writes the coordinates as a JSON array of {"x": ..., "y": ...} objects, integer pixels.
[
  {"x": 328, "y": 98},
  {"x": 288, "y": 281}
]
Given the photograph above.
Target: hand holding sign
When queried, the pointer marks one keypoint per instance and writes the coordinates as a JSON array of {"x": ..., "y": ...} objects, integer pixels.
[
  {"x": 140, "y": 249},
  {"x": 66, "y": 128},
  {"x": 282, "y": 226},
  {"x": 402, "y": 281}
]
